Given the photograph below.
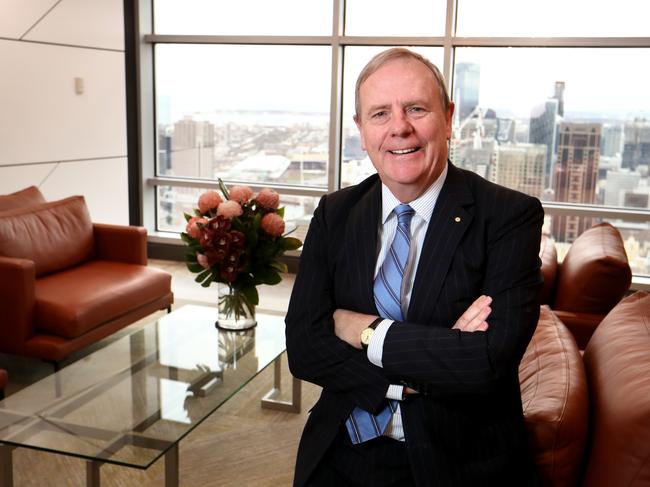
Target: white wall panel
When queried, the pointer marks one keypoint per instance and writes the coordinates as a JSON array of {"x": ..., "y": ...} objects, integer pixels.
[
  {"x": 102, "y": 182},
  {"x": 18, "y": 177},
  {"x": 96, "y": 23},
  {"x": 17, "y": 16},
  {"x": 42, "y": 119}
]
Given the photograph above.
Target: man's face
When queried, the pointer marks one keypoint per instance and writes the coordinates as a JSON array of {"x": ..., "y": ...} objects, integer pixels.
[{"x": 404, "y": 127}]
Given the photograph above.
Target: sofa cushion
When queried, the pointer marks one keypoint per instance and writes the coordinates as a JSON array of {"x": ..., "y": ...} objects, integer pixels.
[
  {"x": 54, "y": 235},
  {"x": 555, "y": 401},
  {"x": 21, "y": 199},
  {"x": 548, "y": 256},
  {"x": 74, "y": 301},
  {"x": 595, "y": 274},
  {"x": 617, "y": 361}
]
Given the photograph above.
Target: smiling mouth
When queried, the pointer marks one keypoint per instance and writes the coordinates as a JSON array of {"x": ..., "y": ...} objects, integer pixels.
[{"x": 401, "y": 152}]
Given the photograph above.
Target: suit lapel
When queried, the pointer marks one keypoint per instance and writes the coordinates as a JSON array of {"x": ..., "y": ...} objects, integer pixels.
[
  {"x": 449, "y": 222},
  {"x": 361, "y": 246}
]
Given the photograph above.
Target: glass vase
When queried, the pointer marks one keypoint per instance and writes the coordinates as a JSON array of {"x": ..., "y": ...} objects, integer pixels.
[{"x": 235, "y": 312}]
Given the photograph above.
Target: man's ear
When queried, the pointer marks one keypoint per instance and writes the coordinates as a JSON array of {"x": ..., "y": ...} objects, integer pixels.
[
  {"x": 357, "y": 121},
  {"x": 448, "y": 119}
]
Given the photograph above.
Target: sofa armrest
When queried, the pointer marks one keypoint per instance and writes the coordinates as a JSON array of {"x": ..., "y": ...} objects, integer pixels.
[
  {"x": 581, "y": 325},
  {"x": 17, "y": 302},
  {"x": 120, "y": 243}
]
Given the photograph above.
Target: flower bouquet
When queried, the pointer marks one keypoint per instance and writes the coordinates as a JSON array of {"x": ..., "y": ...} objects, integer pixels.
[{"x": 237, "y": 240}]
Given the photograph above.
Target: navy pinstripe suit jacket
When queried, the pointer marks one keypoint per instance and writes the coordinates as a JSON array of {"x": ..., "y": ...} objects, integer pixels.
[{"x": 466, "y": 427}]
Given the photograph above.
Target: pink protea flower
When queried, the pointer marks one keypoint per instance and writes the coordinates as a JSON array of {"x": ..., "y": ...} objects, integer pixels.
[
  {"x": 229, "y": 209},
  {"x": 192, "y": 229},
  {"x": 241, "y": 194},
  {"x": 208, "y": 201},
  {"x": 268, "y": 198},
  {"x": 202, "y": 260},
  {"x": 273, "y": 224}
]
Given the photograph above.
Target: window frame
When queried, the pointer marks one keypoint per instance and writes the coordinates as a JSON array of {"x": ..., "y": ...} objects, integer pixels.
[{"x": 337, "y": 41}]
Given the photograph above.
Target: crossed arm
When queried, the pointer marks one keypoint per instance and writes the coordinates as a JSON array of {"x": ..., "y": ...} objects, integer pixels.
[{"x": 348, "y": 325}]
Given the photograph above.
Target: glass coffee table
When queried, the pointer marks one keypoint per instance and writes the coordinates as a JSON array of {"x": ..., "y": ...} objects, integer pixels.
[{"x": 134, "y": 400}]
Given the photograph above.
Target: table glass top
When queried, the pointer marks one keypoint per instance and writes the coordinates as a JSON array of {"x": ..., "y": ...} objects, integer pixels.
[{"x": 131, "y": 401}]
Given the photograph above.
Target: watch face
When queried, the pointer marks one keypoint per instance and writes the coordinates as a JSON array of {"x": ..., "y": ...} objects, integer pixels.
[{"x": 366, "y": 335}]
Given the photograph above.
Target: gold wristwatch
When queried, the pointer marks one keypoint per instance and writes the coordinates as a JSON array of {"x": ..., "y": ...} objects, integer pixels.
[{"x": 366, "y": 333}]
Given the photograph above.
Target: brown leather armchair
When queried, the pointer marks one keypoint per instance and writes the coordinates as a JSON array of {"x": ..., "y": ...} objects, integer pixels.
[
  {"x": 4, "y": 378},
  {"x": 588, "y": 417},
  {"x": 592, "y": 278},
  {"x": 66, "y": 283}
]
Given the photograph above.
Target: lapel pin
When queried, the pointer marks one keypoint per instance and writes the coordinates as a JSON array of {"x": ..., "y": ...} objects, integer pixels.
[{"x": 457, "y": 219}]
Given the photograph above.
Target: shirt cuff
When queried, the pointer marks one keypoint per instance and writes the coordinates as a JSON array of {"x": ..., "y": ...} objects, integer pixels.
[
  {"x": 376, "y": 346},
  {"x": 395, "y": 392}
]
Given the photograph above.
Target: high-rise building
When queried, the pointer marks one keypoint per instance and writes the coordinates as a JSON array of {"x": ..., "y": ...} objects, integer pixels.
[
  {"x": 617, "y": 184},
  {"x": 576, "y": 175},
  {"x": 636, "y": 148},
  {"x": 467, "y": 82},
  {"x": 559, "y": 96},
  {"x": 611, "y": 144},
  {"x": 543, "y": 130},
  {"x": 193, "y": 148},
  {"x": 521, "y": 167}
]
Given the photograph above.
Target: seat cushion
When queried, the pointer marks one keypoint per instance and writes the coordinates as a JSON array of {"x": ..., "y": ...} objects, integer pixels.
[
  {"x": 595, "y": 274},
  {"x": 548, "y": 256},
  {"x": 54, "y": 235},
  {"x": 21, "y": 199},
  {"x": 555, "y": 401},
  {"x": 617, "y": 361},
  {"x": 74, "y": 301}
]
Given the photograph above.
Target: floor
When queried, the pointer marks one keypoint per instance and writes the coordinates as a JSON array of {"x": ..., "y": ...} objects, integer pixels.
[{"x": 240, "y": 445}]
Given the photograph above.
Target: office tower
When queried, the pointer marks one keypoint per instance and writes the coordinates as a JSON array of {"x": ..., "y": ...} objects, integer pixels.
[
  {"x": 542, "y": 130},
  {"x": 467, "y": 82},
  {"x": 611, "y": 144},
  {"x": 559, "y": 96},
  {"x": 576, "y": 174},
  {"x": 193, "y": 148},
  {"x": 521, "y": 167},
  {"x": 476, "y": 154},
  {"x": 636, "y": 148},
  {"x": 505, "y": 130},
  {"x": 617, "y": 184}
]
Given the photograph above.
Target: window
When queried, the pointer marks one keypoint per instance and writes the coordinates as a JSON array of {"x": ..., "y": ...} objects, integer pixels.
[{"x": 550, "y": 98}]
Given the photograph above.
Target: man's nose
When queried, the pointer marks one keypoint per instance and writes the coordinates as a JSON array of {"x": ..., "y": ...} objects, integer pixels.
[{"x": 400, "y": 125}]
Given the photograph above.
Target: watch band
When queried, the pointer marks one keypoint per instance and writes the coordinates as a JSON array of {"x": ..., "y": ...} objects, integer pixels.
[{"x": 375, "y": 323}]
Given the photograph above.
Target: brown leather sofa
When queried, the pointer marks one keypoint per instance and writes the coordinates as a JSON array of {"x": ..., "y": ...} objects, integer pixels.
[
  {"x": 592, "y": 278},
  {"x": 65, "y": 282},
  {"x": 3, "y": 382},
  {"x": 588, "y": 417}
]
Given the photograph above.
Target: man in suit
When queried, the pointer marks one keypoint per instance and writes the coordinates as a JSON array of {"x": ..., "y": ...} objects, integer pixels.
[{"x": 414, "y": 303}]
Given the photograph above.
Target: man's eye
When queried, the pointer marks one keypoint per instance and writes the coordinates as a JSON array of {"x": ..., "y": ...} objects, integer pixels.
[
  {"x": 379, "y": 114},
  {"x": 416, "y": 109}
]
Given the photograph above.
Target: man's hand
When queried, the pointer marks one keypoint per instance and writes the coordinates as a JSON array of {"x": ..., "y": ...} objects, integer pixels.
[
  {"x": 348, "y": 325},
  {"x": 473, "y": 319}
]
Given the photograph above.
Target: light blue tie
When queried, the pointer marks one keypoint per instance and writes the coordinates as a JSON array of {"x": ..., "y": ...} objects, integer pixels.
[{"x": 362, "y": 425}]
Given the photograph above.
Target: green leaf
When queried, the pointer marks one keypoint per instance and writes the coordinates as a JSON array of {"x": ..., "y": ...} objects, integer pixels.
[
  {"x": 203, "y": 275},
  {"x": 280, "y": 266},
  {"x": 208, "y": 281},
  {"x": 224, "y": 190},
  {"x": 291, "y": 243},
  {"x": 251, "y": 295},
  {"x": 188, "y": 217},
  {"x": 194, "y": 267},
  {"x": 186, "y": 238},
  {"x": 280, "y": 211}
]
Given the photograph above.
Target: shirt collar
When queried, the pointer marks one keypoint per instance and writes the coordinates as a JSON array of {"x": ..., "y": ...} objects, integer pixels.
[{"x": 423, "y": 205}]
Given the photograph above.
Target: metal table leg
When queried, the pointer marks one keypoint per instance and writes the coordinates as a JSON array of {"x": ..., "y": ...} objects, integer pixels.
[
  {"x": 171, "y": 467},
  {"x": 6, "y": 466},
  {"x": 269, "y": 401},
  {"x": 92, "y": 473}
]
